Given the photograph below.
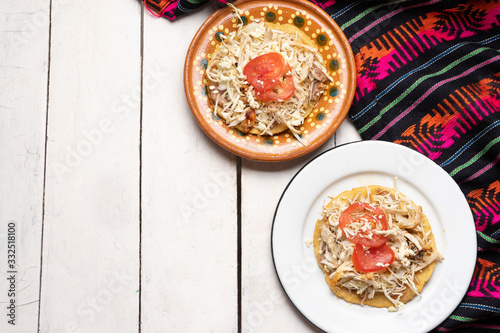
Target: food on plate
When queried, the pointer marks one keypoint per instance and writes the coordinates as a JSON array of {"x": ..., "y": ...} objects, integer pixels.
[
  {"x": 265, "y": 78},
  {"x": 375, "y": 247}
]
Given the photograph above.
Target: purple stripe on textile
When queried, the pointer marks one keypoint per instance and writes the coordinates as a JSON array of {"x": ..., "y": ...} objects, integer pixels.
[
  {"x": 442, "y": 329},
  {"x": 359, "y": 33},
  {"x": 483, "y": 170}
]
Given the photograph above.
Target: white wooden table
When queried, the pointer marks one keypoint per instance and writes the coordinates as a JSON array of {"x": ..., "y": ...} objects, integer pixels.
[{"x": 126, "y": 216}]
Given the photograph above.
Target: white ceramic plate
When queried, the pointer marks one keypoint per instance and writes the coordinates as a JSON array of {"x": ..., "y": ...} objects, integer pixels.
[{"x": 373, "y": 163}]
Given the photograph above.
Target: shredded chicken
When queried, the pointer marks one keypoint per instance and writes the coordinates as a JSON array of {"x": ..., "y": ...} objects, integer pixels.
[
  {"x": 411, "y": 244},
  {"x": 229, "y": 89}
]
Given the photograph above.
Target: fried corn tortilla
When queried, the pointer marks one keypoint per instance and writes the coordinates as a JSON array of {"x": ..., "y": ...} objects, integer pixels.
[
  {"x": 292, "y": 30},
  {"x": 416, "y": 224},
  {"x": 254, "y": 116}
]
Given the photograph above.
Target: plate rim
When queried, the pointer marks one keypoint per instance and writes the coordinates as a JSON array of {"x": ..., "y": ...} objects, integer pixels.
[
  {"x": 361, "y": 141},
  {"x": 261, "y": 155}
]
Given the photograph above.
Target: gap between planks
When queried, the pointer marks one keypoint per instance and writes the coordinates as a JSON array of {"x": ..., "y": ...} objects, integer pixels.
[
  {"x": 238, "y": 237},
  {"x": 141, "y": 108},
  {"x": 45, "y": 164}
]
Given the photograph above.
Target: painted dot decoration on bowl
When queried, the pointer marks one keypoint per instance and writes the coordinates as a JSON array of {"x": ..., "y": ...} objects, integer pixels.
[
  {"x": 301, "y": 136},
  {"x": 204, "y": 91},
  {"x": 334, "y": 65},
  {"x": 240, "y": 133},
  {"x": 270, "y": 17},
  {"x": 298, "y": 21},
  {"x": 331, "y": 106},
  {"x": 243, "y": 20},
  {"x": 320, "y": 116},
  {"x": 218, "y": 36},
  {"x": 268, "y": 141},
  {"x": 322, "y": 40},
  {"x": 334, "y": 91}
]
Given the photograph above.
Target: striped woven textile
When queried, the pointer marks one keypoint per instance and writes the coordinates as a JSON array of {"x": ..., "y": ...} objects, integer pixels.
[
  {"x": 429, "y": 79},
  {"x": 172, "y": 9}
]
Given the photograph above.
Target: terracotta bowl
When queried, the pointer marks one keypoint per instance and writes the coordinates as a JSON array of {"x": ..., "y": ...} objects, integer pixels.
[{"x": 325, "y": 118}]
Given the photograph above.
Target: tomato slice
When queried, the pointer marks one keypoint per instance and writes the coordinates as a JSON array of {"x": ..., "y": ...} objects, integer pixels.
[
  {"x": 271, "y": 77},
  {"x": 359, "y": 221},
  {"x": 264, "y": 71},
  {"x": 282, "y": 90},
  {"x": 372, "y": 259}
]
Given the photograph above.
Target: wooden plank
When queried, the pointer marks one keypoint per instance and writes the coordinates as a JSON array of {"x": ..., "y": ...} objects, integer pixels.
[
  {"x": 23, "y": 101},
  {"x": 347, "y": 133},
  {"x": 265, "y": 306},
  {"x": 189, "y": 214},
  {"x": 90, "y": 276}
]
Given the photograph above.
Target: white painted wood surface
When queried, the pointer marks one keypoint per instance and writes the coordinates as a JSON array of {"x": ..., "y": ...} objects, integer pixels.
[
  {"x": 139, "y": 221},
  {"x": 189, "y": 212},
  {"x": 91, "y": 226},
  {"x": 265, "y": 307},
  {"x": 24, "y": 44}
]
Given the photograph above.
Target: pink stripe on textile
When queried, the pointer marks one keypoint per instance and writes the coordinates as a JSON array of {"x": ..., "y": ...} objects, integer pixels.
[
  {"x": 482, "y": 215},
  {"x": 475, "y": 112},
  {"x": 442, "y": 329},
  {"x": 483, "y": 170},
  {"x": 483, "y": 110},
  {"x": 415, "y": 41},
  {"x": 164, "y": 12},
  {"x": 408, "y": 44},
  {"x": 430, "y": 91},
  {"x": 386, "y": 17},
  {"x": 170, "y": 7}
]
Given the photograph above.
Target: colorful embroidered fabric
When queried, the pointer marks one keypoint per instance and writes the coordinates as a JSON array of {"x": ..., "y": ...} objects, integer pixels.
[
  {"x": 429, "y": 79},
  {"x": 172, "y": 9}
]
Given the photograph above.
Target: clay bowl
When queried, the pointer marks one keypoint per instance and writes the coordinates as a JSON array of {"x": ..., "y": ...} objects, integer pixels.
[{"x": 321, "y": 123}]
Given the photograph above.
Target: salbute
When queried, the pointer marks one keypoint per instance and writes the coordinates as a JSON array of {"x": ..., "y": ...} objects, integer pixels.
[
  {"x": 375, "y": 247},
  {"x": 264, "y": 79}
]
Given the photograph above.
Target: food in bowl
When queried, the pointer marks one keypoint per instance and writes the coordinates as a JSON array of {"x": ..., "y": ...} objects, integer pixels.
[{"x": 265, "y": 78}]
